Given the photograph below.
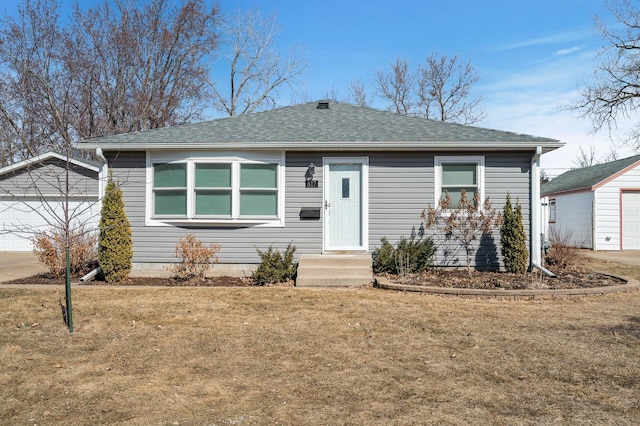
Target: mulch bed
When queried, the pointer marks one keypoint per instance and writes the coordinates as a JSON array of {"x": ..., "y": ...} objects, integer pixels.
[
  {"x": 459, "y": 278},
  {"x": 436, "y": 277},
  {"x": 45, "y": 279}
]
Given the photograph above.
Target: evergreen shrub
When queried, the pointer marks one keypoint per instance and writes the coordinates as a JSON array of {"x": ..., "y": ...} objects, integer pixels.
[
  {"x": 115, "y": 246},
  {"x": 410, "y": 255},
  {"x": 513, "y": 239},
  {"x": 275, "y": 267}
]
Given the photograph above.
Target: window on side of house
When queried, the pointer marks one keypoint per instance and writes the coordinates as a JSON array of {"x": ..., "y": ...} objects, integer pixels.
[
  {"x": 552, "y": 211},
  {"x": 211, "y": 190},
  {"x": 456, "y": 173}
]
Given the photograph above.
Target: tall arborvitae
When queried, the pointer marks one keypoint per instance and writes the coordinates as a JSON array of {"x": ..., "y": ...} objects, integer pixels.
[
  {"x": 115, "y": 246},
  {"x": 513, "y": 239}
]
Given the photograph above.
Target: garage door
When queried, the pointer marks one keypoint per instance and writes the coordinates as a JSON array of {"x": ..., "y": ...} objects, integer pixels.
[
  {"x": 630, "y": 220},
  {"x": 20, "y": 220}
]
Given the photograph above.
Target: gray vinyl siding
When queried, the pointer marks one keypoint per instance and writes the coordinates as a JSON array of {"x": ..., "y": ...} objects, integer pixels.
[
  {"x": 48, "y": 178},
  {"x": 238, "y": 244},
  {"x": 401, "y": 185}
]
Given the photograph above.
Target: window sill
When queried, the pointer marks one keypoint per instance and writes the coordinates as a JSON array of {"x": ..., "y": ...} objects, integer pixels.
[{"x": 234, "y": 223}]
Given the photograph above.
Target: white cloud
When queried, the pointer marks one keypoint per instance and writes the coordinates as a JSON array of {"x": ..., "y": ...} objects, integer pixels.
[
  {"x": 568, "y": 51},
  {"x": 563, "y": 37}
]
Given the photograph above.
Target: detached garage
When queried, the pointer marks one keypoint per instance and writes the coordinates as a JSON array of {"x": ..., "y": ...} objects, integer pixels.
[
  {"x": 598, "y": 206},
  {"x": 32, "y": 198}
]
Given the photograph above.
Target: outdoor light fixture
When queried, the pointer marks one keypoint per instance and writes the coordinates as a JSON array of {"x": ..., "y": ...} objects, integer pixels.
[{"x": 308, "y": 176}]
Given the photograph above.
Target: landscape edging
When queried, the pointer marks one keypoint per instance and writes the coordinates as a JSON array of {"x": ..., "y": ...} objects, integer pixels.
[{"x": 630, "y": 285}]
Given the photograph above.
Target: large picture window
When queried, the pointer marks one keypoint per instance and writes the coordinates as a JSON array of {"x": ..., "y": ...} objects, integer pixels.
[
  {"x": 215, "y": 190},
  {"x": 455, "y": 173}
]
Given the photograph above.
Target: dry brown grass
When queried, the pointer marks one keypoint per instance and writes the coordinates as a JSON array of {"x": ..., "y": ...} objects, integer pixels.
[{"x": 244, "y": 356}]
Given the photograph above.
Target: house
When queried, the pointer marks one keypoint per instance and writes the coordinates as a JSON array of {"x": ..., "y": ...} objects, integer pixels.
[
  {"x": 597, "y": 207},
  {"x": 33, "y": 195},
  {"x": 328, "y": 177}
]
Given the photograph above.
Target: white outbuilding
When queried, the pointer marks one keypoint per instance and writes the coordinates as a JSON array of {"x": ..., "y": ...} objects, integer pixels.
[
  {"x": 34, "y": 193},
  {"x": 596, "y": 207}
]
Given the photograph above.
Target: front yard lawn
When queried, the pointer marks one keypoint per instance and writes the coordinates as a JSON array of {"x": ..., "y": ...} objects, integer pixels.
[{"x": 255, "y": 355}]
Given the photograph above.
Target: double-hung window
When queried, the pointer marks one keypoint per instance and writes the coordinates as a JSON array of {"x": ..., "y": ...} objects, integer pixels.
[
  {"x": 225, "y": 189},
  {"x": 258, "y": 190},
  {"x": 456, "y": 173},
  {"x": 213, "y": 191},
  {"x": 170, "y": 189}
]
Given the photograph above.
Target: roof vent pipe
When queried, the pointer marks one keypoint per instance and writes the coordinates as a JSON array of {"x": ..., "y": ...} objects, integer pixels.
[{"x": 323, "y": 105}]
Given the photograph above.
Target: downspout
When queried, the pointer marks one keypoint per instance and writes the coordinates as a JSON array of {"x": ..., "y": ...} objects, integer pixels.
[
  {"x": 536, "y": 243},
  {"x": 594, "y": 224},
  {"x": 103, "y": 173}
]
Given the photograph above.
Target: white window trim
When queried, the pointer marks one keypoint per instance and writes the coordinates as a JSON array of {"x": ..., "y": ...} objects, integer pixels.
[
  {"x": 193, "y": 157},
  {"x": 439, "y": 160}
]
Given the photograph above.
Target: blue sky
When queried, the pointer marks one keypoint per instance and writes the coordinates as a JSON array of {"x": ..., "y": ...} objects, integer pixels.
[{"x": 531, "y": 56}]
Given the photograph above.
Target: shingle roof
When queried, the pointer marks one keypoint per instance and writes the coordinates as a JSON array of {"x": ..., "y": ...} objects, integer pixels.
[
  {"x": 305, "y": 126},
  {"x": 87, "y": 164},
  {"x": 588, "y": 178}
]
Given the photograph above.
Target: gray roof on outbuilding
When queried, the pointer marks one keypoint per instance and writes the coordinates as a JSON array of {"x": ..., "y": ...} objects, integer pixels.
[
  {"x": 588, "y": 178},
  {"x": 307, "y": 127}
]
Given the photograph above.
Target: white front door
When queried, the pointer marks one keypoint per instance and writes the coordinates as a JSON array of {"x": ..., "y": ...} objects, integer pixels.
[
  {"x": 630, "y": 220},
  {"x": 345, "y": 204}
]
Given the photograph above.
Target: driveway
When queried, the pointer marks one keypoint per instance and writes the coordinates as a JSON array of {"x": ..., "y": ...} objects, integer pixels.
[
  {"x": 14, "y": 265},
  {"x": 630, "y": 257}
]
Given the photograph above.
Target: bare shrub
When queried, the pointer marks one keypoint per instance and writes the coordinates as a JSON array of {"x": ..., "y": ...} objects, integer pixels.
[
  {"x": 466, "y": 224},
  {"x": 50, "y": 245},
  {"x": 563, "y": 253},
  {"x": 196, "y": 259}
]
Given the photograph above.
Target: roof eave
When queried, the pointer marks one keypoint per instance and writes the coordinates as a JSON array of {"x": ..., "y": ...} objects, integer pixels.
[
  {"x": 43, "y": 157},
  {"x": 567, "y": 191},
  {"x": 329, "y": 146}
]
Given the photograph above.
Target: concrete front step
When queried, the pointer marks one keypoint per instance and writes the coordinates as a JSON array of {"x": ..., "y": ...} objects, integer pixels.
[{"x": 334, "y": 270}]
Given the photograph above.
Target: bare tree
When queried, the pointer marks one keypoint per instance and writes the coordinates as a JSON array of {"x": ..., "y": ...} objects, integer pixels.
[
  {"x": 586, "y": 158},
  {"x": 444, "y": 90},
  {"x": 140, "y": 67},
  {"x": 331, "y": 94},
  {"x": 466, "y": 223},
  {"x": 33, "y": 83},
  {"x": 440, "y": 91},
  {"x": 357, "y": 94},
  {"x": 112, "y": 69},
  {"x": 256, "y": 72},
  {"x": 397, "y": 87},
  {"x": 614, "y": 92},
  {"x": 590, "y": 158}
]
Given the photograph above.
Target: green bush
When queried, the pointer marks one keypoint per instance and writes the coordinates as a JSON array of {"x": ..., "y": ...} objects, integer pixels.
[
  {"x": 411, "y": 255},
  {"x": 275, "y": 267},
  {"x": 115, "y": 246},
  {"x": 512, "y": 237}
]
